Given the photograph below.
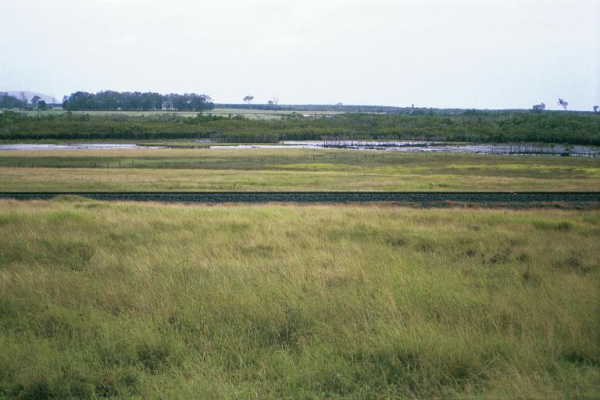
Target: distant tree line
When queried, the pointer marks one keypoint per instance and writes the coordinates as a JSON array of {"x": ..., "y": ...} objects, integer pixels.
[
  {"x": 136, "y": 101},
  {"x": 471, "y": 126},
  {"x": 9, "y": 101}
]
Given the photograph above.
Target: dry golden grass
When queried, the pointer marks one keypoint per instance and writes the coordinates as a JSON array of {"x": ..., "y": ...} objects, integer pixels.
[{"x": 342, "y": 302}]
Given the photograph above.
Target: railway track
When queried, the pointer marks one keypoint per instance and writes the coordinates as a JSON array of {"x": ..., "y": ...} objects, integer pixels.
[{"x": 423, "y": 198}]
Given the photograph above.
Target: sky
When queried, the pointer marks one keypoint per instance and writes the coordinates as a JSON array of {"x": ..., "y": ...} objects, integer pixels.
[{"x": 430, "y": 53}]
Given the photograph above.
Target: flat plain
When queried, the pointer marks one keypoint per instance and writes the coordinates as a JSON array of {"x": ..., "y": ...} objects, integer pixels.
[
  {"x": 290, "y": 170},
  {"x": 150, "y": 301}
]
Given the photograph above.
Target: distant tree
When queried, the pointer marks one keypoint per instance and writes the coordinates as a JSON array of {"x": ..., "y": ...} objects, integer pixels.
[
  {"x": 539, "y": 107},
  {"x": 563, "y": 103},
  {"x": 41, "y": 105},
  {"x": 596, "y": 109},
  {"x": 248, "y": 99},
  {"x": 35, "y": 100},
  {"x": 136, "y": 101},
  {"x": 79, "y": 101}
]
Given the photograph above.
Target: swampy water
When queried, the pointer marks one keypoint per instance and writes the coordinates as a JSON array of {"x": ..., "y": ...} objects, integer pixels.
[
  {"x": 423, "y": 146},
  {"x": 405, "y": 146}
]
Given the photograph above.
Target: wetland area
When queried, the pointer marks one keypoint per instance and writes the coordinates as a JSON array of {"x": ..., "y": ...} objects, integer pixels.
[
  {"x": 373, "y": 299},
  {"x": 405, "y": 146},
  {"x": 316, "y": 200}
]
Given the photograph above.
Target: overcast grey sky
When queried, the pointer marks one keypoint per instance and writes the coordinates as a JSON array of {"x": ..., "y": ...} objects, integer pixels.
[{"x": 433, "y": 53}]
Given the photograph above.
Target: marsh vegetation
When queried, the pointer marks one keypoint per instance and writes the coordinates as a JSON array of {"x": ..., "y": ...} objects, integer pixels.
[
  {"x": 467, "y": 126},
  {"x": 289, "y": 170},
  {"x": 102, "y": 300}
]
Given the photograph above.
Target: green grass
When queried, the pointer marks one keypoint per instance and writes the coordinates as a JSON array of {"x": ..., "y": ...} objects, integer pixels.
[
  {"x": 267, "y": 114},
  {"x": 289, "y": 170},
  {"x": 117, "y": 300},
  {"x": 59, "y": 112},
  {"x": 222, "y": 112}
]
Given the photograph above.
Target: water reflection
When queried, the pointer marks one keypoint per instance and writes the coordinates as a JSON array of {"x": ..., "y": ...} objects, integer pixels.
[
  {"x": 405, "y": 146},
  {"x": 431, "y": 147}
]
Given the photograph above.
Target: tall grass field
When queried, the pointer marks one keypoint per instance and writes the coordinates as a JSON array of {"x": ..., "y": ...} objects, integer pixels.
[{"x": 149, "y": 301}]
